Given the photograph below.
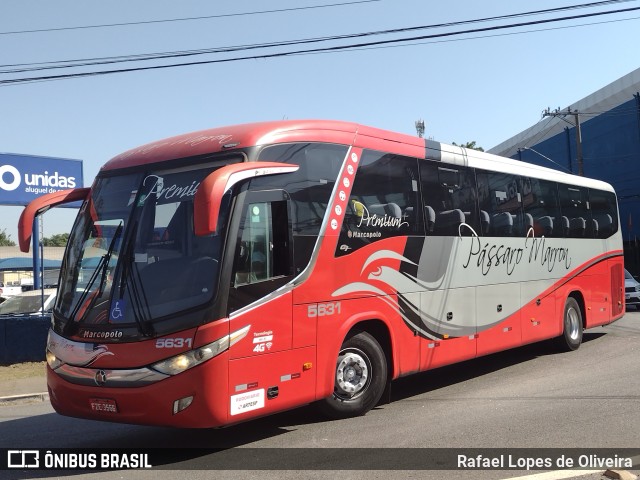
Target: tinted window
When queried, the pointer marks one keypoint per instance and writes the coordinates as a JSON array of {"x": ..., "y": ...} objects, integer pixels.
[
  {"x": 500, "y": 199},
  {"x": 384, "y": 201},
  {"x": 311, "y": 186},
  {"x": 449, "y": 195},
  {"x": 604, "y": 213},
  {"x": 575, "y": 214},
  {"x": 540, "y": 201}
]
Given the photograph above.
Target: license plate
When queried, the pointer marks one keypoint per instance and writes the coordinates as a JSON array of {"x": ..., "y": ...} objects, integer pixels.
[{"x": 105, "y": 405}]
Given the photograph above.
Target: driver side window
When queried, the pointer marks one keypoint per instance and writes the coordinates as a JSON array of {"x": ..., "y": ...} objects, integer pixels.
[
  {"x": 254, "y": 256},
  {"x": 263, "y": 255}
]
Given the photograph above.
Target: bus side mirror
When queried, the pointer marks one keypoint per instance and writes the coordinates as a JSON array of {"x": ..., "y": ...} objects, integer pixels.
[
  {"x": 41, "y": 205},
  {"x": 208, "y": 198}
]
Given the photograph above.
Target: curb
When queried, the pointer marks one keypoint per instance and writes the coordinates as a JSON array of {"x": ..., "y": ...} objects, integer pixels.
[{"x": 25, "y": 398}]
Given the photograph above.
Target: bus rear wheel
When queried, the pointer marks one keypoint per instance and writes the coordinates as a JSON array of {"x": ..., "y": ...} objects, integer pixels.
[
  {"x": 571, "y": 337},
  {"x": 360, "y": 378}
]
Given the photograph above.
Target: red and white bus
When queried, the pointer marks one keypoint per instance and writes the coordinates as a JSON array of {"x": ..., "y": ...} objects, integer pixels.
[{"x": 231, "y": 273}]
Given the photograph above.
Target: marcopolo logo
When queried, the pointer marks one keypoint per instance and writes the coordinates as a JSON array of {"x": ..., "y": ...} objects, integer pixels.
[{"x": 11, "y": 179}]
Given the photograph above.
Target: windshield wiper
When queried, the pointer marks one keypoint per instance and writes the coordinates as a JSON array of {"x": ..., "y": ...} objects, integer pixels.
[
  {"x": 102, "y": 267},
  {"x": 126, "y": 278}
]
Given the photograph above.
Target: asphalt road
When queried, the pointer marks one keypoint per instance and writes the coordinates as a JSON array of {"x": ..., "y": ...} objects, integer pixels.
[{"x": 531, "y": 397}]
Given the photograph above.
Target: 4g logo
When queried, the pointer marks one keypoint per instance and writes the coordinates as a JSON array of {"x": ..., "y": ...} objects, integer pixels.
[
  {"x": 262, "y": 347},
  {"x": 263, "y": 341}
]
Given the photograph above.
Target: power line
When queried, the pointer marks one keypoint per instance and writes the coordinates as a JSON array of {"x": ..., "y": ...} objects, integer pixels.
[
  {"x": 496, "y": 35},
  {"x": 316, "y": 50},
  {"x": 541, "y": 132},
  {"x": 547, "y": 158},
  {"x": 207, "y": 17},
  {"x": 164, "y": 55}
]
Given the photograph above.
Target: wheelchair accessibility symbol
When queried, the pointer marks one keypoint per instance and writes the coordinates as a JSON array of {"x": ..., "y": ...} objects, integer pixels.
[{"x": 117, "y": 310}]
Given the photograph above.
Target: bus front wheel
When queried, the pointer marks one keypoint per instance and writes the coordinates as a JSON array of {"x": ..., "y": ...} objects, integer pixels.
[
  {"x": 360, "y": 377},
  {"x": 571, "y": 337}
]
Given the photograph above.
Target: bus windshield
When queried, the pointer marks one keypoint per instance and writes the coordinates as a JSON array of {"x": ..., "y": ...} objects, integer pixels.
[{"x": 133, "y": 259}]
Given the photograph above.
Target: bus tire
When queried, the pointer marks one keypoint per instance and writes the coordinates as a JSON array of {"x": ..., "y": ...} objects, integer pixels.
[
  {"x": 360, "y": 378},
  {"x": 571, "y": 337}
]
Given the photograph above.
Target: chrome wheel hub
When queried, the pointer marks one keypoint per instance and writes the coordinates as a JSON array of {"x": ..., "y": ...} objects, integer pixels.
[
  {"x": 573, "y": 324},
  {"x": 352, "y": 374}
]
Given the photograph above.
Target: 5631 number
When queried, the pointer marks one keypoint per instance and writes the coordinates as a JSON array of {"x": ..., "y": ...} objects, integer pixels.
[
  {"x": 174, "y": 342},
  {"x": 323, "y": 309}
]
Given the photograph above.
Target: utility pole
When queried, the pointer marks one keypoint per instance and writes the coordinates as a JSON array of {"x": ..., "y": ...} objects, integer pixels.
[
  {"x": 420, "y": 127},
  {"x": 558, "y": 113}
]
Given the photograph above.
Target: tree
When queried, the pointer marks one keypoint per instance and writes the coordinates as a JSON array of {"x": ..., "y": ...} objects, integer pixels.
[
  {"x": 5, "y": 240},
  {"x": 472, "y": 145},
  {"x": 58, "y": 240}
]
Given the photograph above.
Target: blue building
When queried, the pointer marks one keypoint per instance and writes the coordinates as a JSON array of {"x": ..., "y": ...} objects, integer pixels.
[{"x": 610, "y": 132}]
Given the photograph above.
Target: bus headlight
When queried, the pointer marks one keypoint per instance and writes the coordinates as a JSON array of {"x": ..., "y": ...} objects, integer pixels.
[
  {"x": 187, "y": 360},
  {"x": 53, "y": 361}
]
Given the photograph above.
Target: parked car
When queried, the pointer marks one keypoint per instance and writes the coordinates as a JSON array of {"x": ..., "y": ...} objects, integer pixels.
[
  {"x": 631, "y": 290},
  {"x": 10, "y": 290},
  {"x": 29, "y": 302}
]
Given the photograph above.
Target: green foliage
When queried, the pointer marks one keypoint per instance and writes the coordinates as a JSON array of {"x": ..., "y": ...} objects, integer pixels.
[
  {"x": 5, "y": 240},
  {"x": 472, "y": 145},
  {"x": 58, "y": 240}
]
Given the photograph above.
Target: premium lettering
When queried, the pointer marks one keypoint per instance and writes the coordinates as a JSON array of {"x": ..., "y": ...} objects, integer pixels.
[{"x": 376, "y": 220}]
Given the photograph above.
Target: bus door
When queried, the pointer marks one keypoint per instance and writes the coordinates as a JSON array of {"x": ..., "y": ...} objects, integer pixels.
[
  {"x": 263, "y": 262},
  {"x": 265, "y": 373}
]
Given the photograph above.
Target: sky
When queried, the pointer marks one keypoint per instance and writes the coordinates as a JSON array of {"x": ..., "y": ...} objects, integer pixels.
[{"x": 484, "y": 87}]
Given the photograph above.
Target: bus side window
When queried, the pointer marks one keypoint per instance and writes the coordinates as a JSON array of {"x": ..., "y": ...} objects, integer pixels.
[
  {"x": 384, "y": 202},
  {"x": 603, "y": 209},
  {"x": 540, "y": 201},
  {"x": 501, "y": 195},
  {"x": 449, "y": 197},
  {"x": 574, "y": 206}
]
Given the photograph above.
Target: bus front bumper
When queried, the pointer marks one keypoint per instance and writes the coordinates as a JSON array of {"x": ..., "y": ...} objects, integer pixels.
[{"x": 196, "y": 398}]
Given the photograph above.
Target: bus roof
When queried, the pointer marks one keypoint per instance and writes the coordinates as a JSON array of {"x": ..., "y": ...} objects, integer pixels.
[
  {"x": 473, "y": 158},
  {"x": 338, "y": 132},
  {"x": 236, "y": 136}
]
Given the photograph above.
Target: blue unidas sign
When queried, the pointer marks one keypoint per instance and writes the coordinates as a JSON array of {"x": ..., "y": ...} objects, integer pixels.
[{"x": 25, "y": 177}]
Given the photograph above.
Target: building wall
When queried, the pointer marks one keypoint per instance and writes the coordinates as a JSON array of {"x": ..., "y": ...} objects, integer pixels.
[
  {"x": 611, "y": 152},
  {"x": 610, "y": 124}
]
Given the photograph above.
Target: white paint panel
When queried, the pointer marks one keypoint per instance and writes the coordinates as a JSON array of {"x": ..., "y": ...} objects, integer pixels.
[
  {"x": 534, "y": 289},
  {"x": 497, "y": 302},
  {"x": 457, "y": 303}
]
